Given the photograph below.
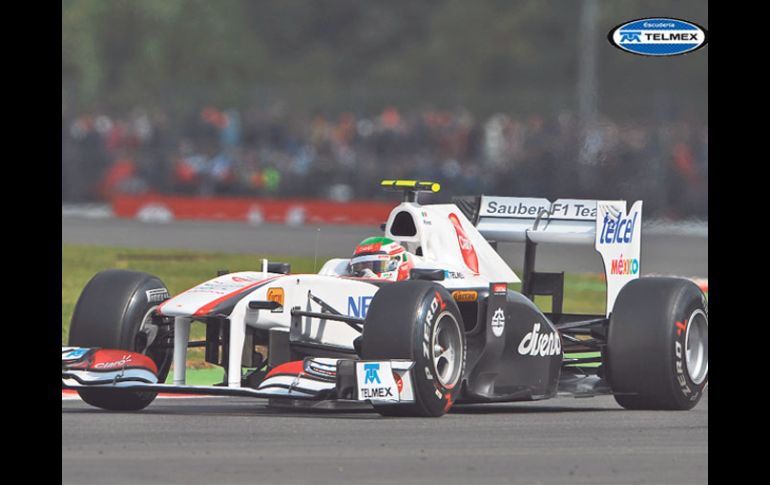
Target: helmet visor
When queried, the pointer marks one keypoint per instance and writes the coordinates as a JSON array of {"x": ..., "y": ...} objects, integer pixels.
[{"x": 376, "y": 263}]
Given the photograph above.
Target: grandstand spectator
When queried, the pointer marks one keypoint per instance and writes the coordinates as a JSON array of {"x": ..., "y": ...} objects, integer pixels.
[{"x": 269, "y": 152}]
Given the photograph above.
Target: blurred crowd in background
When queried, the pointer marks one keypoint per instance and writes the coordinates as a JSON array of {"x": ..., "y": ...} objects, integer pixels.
[
  {"x": 270, "y": 152},
  {"x": 285, "y": 99}
]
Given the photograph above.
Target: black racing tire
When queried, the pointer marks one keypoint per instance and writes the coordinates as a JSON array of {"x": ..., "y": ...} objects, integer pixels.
[
  {"x": 401, "y": 319},
  {"x": 109, "y": 315},
  {"x": 649, "y": 363}
]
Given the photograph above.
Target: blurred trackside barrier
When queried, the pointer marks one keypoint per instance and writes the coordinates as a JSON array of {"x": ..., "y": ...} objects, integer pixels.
[{"x": 160, "y": 208}]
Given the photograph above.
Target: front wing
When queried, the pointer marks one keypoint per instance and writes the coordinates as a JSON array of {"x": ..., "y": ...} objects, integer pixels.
[{"x": 312, "y": 379}]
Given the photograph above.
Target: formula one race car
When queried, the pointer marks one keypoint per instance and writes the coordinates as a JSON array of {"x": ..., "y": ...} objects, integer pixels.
[{"x": 418, "y": 320}]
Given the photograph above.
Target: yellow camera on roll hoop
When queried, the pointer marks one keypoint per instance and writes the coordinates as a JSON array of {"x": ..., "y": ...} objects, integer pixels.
[{"x": 410, "y": 187}]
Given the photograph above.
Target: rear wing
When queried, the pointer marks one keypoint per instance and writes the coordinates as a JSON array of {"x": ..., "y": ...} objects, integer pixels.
[{"x": 614, "y": 232}]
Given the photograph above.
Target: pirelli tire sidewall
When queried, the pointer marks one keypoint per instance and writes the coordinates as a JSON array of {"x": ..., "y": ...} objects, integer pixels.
[
  {"x": 434, "y": 396},
  {"x": 400, "y": 324},
  {"x": 647, "y": 344}
]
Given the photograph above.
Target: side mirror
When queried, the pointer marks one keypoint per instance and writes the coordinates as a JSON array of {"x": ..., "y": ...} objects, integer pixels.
[
  {"x": 276, "y": 267},
  {"x": 427, "y": 274},
  {"x": 264, "y": 305}
]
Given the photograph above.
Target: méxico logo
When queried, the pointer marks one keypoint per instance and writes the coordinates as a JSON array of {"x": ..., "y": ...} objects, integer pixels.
[
  {"x": 658, "y": 37},
  {"x": 623, "y": 266}
]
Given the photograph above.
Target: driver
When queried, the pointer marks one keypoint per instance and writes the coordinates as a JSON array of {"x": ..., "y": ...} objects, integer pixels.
[{"x": 381, "y": 258}]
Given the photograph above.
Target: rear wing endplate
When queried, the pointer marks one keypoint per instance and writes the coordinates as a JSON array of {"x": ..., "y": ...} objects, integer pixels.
[{"x": 614, "y": 232}]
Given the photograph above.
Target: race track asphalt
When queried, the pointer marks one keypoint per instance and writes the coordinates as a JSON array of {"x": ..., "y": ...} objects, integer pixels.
[
  {"x": 662, "y": 253},
  {"x": 217, "y": 440}
]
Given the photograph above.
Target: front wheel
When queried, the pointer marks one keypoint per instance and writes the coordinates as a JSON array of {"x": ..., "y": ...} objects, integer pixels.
[
  {"x": 116, "y": 311},
  {"x": 657, "y": 348},
  {"x": 418, "y": 321}
]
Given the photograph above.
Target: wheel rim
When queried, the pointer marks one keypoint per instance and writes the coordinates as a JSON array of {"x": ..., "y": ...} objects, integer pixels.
[
  {"x": 149, "y": 329},
  {"x": 697, "y": 347},
  {"x": 447, "y": 350}
]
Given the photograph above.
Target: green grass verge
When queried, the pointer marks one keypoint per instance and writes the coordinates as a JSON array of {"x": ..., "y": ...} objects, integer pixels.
[
  {"x": 181, "y": 269},
  {"x": 178, "y": 269},
  {"x": 200, "y": 377}
]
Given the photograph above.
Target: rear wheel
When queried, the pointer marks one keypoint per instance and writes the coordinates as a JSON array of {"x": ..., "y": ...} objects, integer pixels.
[
  {"x": 116, "y": 310},
  {"x": 419, "y": 321},
  {"x": 657, "y": 349}
]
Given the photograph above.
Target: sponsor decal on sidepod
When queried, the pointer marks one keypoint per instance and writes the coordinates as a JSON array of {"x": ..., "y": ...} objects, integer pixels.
[
  {"x": 359, "y": 306},
  {"x": 542, "y": 344},
  {"x": 500, "y": 288},
  {"x": 498, "y": 322}
]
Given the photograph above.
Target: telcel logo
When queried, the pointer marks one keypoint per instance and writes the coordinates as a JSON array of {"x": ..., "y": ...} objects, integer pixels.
[
  {"x": 617, "y": 230},
  {"x": 372, "y": 374}
]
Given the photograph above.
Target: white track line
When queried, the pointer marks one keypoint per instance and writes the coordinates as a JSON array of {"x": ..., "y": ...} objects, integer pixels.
[{"x": 67, "y": 395}]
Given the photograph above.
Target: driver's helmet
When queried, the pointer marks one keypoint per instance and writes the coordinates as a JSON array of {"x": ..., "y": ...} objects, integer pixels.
[{"x": 381, "y": 258}]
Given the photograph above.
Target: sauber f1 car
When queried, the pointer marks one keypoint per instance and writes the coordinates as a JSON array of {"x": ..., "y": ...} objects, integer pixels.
[{"x": 448, "y": 329}]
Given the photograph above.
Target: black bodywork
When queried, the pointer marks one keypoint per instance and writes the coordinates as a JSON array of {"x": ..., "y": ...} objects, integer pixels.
[{"x": 496, "y": 369}]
